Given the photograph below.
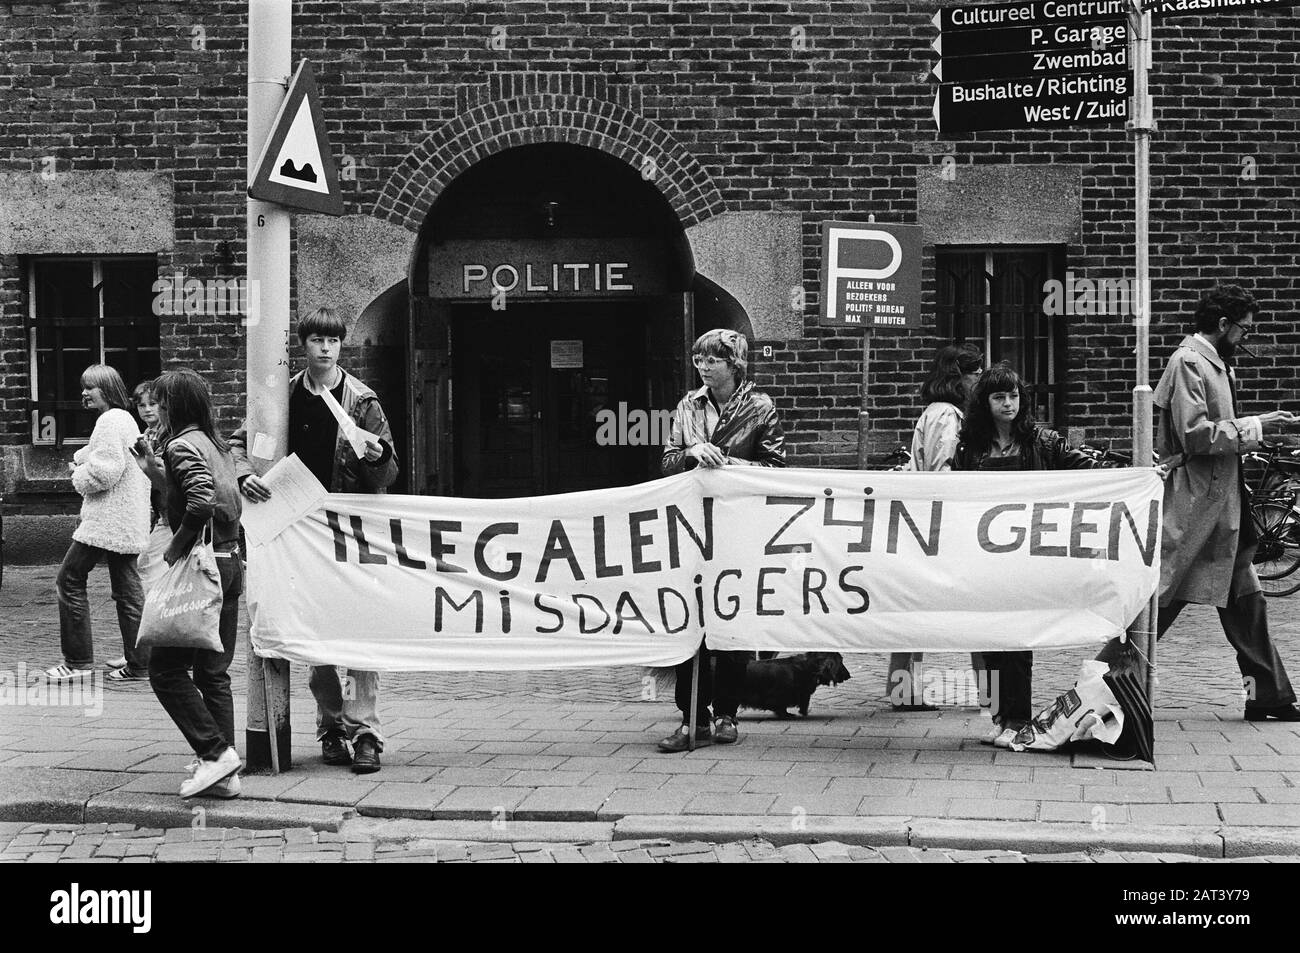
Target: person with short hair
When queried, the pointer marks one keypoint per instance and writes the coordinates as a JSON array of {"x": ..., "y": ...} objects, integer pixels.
[
  {"x": 998, "y": 433},
  {"x": 952, "y": 377},
  {"x": 114, "y": 528},
  {"x": 725, "y": 422},
  {"x": 1208, "y": 547},
  {"x": 202, "y": 493},
  {"x": 345, "y": 711}
]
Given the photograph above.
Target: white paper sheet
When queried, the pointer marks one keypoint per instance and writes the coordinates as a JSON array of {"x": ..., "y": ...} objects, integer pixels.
[
  {"x": 354, "y": 435},
  {"x": 295, "y": 492}
]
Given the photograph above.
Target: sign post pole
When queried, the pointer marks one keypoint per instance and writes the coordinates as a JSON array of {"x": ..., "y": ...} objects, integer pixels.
[
  {"x": 864, "y": 410},
  {"x": 1142, "y": 124},
  {"x": 268, "y": 736}
]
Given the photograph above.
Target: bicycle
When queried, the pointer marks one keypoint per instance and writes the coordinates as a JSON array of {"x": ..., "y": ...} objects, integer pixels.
[
  {"x": 899, "y": 457},
  {"x": 1274, "y": 506}
]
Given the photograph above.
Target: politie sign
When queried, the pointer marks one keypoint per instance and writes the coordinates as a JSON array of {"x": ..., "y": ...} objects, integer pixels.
[{"x": 871, "y": 275}]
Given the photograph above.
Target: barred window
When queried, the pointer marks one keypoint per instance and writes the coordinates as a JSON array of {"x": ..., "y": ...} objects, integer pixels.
[
  {"x": 83, "y": 311},
  {"x": 993, "y": 298}
]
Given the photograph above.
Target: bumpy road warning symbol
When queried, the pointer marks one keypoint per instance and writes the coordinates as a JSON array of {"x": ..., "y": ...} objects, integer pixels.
[{"x": 295, "y": 167}]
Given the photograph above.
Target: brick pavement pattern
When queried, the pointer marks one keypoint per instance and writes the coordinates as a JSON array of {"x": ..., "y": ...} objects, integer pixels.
[{"x": 578, "y": 746}]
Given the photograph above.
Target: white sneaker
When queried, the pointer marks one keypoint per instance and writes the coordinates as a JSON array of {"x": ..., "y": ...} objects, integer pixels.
[
  {"x": 208, "y": 773},
  {"x": 225, "y": 788}
]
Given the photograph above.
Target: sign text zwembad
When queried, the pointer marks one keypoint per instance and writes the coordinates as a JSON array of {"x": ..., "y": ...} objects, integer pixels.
[{"x": 750, "y": 558}]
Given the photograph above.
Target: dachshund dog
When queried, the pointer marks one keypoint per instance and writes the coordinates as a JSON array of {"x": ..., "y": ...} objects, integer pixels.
[{"x": 781, "y": 683}]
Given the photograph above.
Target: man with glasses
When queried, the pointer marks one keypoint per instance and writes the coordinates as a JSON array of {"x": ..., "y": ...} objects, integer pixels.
[
  {"x": 1209, "y": 541},
  {"x": 726, "y": 422}
]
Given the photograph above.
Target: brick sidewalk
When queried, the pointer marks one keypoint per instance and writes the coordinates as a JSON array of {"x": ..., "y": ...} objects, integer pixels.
[{"x": 578, "y": 746}]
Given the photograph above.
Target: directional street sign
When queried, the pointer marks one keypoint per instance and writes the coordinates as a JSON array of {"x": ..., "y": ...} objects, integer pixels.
[
  {"x": 295, "y": 168},
  {"x": 1161, "y": 8},
  {"x": 992, "y": 16},
  {"x": 1032, "y": 65},
  {"x": 1059, "y": 36},
  {"x": 1029, "y": 103}
]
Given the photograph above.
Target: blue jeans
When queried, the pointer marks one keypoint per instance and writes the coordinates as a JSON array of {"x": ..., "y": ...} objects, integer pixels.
[
  {"x": 203, "y": 708},
  {"x": 346, "y": 707},
  {"x": 74, "y": 608}
]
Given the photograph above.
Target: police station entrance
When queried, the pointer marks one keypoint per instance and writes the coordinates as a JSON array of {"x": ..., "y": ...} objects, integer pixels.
[
  {"x": 535, "y": 390},
  {"x": 550, "y": 344}
]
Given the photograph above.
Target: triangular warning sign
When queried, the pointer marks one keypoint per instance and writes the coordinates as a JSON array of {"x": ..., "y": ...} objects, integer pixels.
[{"x": 295, "y": 168}]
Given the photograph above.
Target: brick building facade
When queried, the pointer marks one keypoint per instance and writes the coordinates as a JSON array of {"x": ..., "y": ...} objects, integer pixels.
[{"x": 698, "y": 144}]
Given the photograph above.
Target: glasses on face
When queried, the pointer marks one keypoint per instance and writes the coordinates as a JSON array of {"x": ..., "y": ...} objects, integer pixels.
[
  {"x": 708, "y": 363},
  {"x": 1245, "y": 329}
]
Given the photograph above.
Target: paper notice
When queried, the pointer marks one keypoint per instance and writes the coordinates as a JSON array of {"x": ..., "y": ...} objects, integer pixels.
[
  {"x": 264, "y": 446},
  {"x": 354, "y": 435},
  {"x": 295, "y": 492}
]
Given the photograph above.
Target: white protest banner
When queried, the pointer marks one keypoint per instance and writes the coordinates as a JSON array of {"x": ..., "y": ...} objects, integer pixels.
[{"x": 755, "y": 558}]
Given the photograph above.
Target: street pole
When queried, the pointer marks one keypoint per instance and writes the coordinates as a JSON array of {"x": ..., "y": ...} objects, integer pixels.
[
  {"x": 1142, "y": 124},
  {"x": 864, "y": 408},
  {"x": 268, "y": 737}
]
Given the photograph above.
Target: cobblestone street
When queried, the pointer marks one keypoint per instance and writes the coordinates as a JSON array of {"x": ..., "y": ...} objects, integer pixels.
[{"x": 123, "y": 843}]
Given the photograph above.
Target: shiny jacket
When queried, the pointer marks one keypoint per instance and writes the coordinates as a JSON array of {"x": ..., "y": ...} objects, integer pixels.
[
  {"x": 748, "y": 430},
  {"x": 351, "y": 474},
  {"x": 201, "y": 485},
  {"x": 1046, "y": 451}
]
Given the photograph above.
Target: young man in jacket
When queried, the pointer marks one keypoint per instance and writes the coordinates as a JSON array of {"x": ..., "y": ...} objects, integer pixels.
[
  {"x": 726, "y": 422},
  {"x": 347, "y": 709},
  {"x": 1208, "y": 546}
]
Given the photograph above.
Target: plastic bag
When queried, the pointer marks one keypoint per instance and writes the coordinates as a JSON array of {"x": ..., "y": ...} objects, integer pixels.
[
  {"x": 1088, "y": 711},
  {"x": 183, "y": 610}
]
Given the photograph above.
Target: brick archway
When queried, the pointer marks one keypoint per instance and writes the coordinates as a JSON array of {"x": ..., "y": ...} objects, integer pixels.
[{"x": 496, "y": 126}]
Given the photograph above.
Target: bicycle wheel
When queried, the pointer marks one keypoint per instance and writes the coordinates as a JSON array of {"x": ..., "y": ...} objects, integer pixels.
[{"x": 1277, "y": 555}]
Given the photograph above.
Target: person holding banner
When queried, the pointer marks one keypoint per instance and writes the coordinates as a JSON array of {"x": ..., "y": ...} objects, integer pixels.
[
  {"x": 952, "y": 377},
  {"x": 998, "y": 433},
  {"x": 1208, "y": 547},
  {"x": 340, "y": 433},
  {"x": 725, "y": 422}
]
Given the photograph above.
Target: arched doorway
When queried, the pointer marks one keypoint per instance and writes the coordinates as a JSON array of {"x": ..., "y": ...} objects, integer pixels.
[{"x": 550, "y": 318}]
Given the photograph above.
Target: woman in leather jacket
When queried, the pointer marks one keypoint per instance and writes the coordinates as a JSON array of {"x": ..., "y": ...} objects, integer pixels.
[
  {"x": 998, "y": 433},
  {"x": 725, "y": 422}
]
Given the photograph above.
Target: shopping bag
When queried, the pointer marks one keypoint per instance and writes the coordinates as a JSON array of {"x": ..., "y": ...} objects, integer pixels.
[
  {"x": 150, "y": 563},
  {"x": 183, "y": 610},
  {"x": 1086, "y": 712}
]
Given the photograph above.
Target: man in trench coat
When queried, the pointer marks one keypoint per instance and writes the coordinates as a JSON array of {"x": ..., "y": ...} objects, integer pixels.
[{"x": 1209, "y": 541}]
